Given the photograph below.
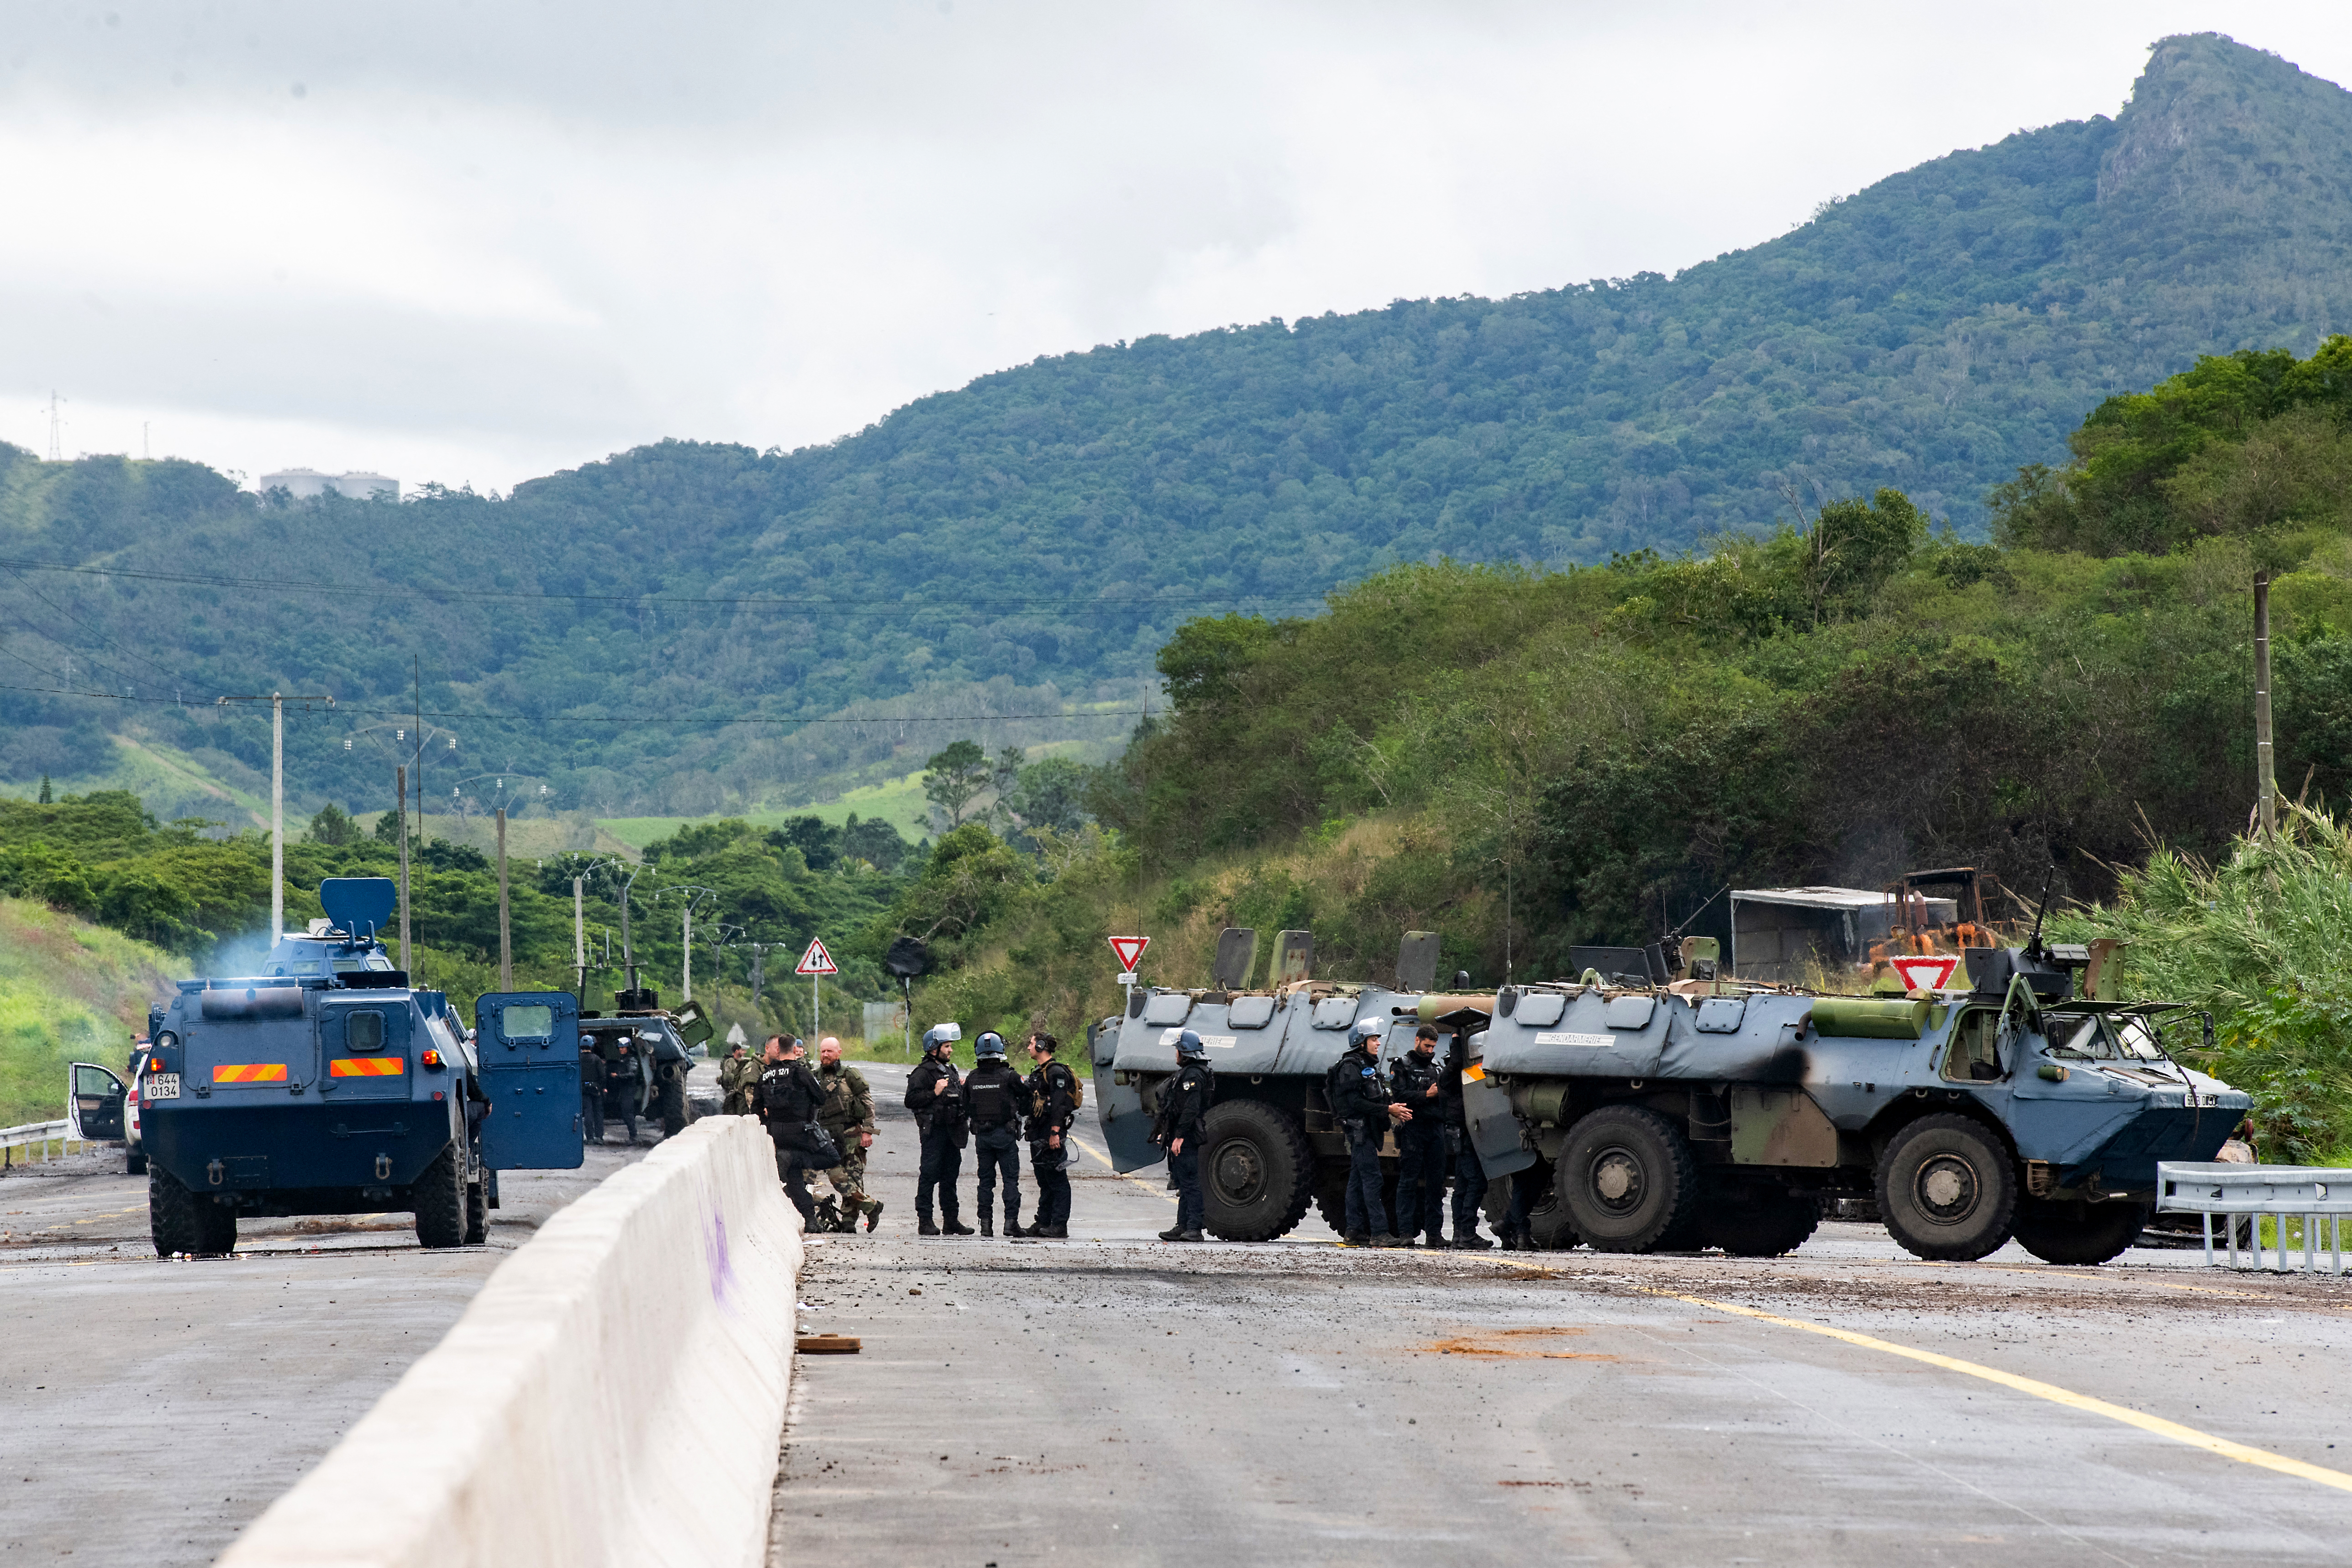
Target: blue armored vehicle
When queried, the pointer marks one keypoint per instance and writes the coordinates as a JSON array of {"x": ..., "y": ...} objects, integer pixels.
[
  {"x": 1705, "y": 1113},
  {"x": 329, "y": 1085}
]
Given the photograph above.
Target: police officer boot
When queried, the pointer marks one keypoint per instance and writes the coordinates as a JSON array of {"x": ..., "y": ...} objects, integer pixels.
[
  {"x": 1013, "y": 1226},
  {"x": 987, "y": 1225},
  {"x": 1189, "y": 1235},
  {"x": 1173, "y": 1233},
  {"x": 1469, "y": 1240},
  {"x": 1357, "y": 1238},
  {"x": 1384, "y": 1239},
  {"x": 873, "y": 1215},
  {"x": 923, "y": 1226},
  {"x": 1436, "y": 1239},
  {"x": 1054, "y": 1232},
  {"x": 955, "y": 1227}
]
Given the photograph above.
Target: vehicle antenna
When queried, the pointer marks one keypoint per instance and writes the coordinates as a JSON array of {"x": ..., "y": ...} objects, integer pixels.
[{"x": 2033, "y": 949}]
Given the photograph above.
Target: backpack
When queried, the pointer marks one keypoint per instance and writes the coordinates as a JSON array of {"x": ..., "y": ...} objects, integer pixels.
[
  {"x": 1040, "y": 1100},
  {"x": 991, "y": 1101}
]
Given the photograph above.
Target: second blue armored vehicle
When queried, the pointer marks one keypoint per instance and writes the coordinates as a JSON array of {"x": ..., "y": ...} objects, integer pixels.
[{"x": 328, "y": 1084}]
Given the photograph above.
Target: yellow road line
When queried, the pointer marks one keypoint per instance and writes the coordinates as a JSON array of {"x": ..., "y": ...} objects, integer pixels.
[
  {"x": 2049, "y": 1390},
  {"x": 1157, "y": 1192}
]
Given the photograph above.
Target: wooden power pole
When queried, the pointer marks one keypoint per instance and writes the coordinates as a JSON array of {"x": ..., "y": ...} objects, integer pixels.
[
  {"x": 400, "y": 792},
  {"x": 2265, "y": 766}
]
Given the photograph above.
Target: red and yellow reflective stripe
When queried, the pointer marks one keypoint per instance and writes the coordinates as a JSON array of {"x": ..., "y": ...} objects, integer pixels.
[
  {"x": 1474, "y": 1073},
  {"x": 249, "y": 1072},
  {"x": 367, "y": 1066}
]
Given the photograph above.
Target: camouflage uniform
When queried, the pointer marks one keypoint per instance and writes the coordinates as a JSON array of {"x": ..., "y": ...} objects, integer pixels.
[
  {"x": 849, "y": 1111},
  {"x": 739, "y": 1080}
]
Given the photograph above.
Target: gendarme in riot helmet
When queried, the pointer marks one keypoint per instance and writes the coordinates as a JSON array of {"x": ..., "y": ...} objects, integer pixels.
[
  {"x": 941, "y": 1035},
  {"x": 990, "y": 1044},
  {"x": 1366, "y": 1034},
  {"x": 1187, "y": 1044}
]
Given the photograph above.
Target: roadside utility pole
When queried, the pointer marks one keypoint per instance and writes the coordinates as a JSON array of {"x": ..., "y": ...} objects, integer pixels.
[
  {"x": 2265, "y": 763},
  {"x": 400, "y": 792},
  {"x": 506, "y": 944}
]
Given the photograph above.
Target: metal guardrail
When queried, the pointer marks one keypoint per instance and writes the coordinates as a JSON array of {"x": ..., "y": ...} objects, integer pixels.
[
  {"x": 2317, "y": 1195},
  {"x": 32, "y": 1134}
]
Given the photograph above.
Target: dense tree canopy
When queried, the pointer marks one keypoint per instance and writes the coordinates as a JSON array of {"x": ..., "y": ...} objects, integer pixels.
[{"x": 1026, "y": 544}]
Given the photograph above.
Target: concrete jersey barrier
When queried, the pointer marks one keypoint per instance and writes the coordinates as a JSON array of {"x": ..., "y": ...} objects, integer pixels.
[{"x": 614, "y": 1394}]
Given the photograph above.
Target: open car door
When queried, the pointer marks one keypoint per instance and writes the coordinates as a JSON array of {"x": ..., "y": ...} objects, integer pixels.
[
  {"x": 94, "y": 1109},
  {"x": 528, "y": 1043}
]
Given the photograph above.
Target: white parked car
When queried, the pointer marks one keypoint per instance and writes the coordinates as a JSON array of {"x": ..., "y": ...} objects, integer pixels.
[{"x": 103, "y": 1108}]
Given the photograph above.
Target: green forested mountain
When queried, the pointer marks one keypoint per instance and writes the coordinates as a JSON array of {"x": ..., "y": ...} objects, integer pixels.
[
  {"x": 1024, "y": 544},
  {"x": 1524, "y": 759}
]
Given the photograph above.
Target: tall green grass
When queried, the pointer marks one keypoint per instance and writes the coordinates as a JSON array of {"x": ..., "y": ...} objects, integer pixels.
[
  {"x": 2261, "y": 940},
  {"x": 69, "y": 991}
]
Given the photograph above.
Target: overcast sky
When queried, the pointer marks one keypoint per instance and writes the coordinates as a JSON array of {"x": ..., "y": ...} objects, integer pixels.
[{"x": 476, "y": 242}]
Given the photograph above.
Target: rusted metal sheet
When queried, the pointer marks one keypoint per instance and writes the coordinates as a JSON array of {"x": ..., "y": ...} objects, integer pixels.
[{"x": 1779, "y": 1126}]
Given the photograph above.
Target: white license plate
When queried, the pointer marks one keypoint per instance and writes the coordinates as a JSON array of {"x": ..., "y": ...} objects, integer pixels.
[{"x": 163, "y": 1086}]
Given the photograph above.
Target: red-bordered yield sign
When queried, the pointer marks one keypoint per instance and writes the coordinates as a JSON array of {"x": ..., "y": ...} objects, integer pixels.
[
  {"x": 1130, "y": 950},
  {"x": 1933, "y": 974},
  {"x": 817, "y": 961}
]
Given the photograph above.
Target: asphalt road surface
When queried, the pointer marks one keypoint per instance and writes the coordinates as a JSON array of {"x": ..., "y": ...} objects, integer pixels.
[
  {"x": 150, "y": 1409},
  {"x": 1116, "y": 1399}
]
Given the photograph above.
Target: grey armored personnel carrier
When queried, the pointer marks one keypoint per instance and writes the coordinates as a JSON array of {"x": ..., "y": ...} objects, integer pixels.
[
  {"x": 1650, "y": 1114},
  {"x": 1705, "y": 1113},
  {"x": 1270, "y": 1149}
]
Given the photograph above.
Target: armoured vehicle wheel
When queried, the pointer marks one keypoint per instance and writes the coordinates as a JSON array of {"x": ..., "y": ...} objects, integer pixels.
[
  {"x": 673, "y": 1107},
  {"x": 1627, "y": 1179},
  {"x": 1549, "y": 1225},
  {"x": 1256, "y": 1175},
  {"x": 441, "y": 1201},
  {"x": 2077, "y": 1233},
  {"x": 1331, "y": 1196},
  {"x": 1948, "y": 1189},
  {"x": 1750, "y": 1221},
  {"x": 477, "y": 1214},
  {"x": 180, "y": 1221}
]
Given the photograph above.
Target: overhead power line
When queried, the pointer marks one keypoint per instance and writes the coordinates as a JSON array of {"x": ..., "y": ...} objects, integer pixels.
[
  {"x": 629, "y": 719},
  {"x": 986, "y": 602}
]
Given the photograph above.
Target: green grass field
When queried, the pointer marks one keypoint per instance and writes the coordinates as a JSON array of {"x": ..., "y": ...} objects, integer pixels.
[
  {"x": 898, "y": 802},
  {"x": 69, "y": 991}
]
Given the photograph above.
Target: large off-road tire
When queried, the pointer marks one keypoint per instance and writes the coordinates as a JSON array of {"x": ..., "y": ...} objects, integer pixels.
[
  {"x": 441, "y": 1200},
  {"x": 672, "y": 1100},
  {"x": 2077, "y": 1233},
  {"x": 477, "y": 1213},
  {"x": 1948, "y": 1188},
  {"x": 1750, "y": 1219},
  {"x": 1627, "y": 1179},
  {"x": 180, "y": 1221},
  {"x": 1256, "y": 1174},
  {"x": 1331, "y": 1196},
  {"x": 1549, "y": 1225}
]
